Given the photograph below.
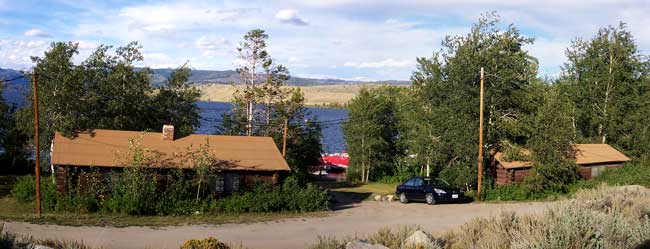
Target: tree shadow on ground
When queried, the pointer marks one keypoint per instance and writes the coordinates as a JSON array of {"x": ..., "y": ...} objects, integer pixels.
[{"x": 345, "y": 200}]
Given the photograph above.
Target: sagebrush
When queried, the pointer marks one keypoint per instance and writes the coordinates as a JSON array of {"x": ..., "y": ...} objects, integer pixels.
[{"x": 606, "y": 217}]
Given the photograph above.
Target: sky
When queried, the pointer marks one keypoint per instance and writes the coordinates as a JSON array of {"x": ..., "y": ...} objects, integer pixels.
[{"x": 354, "y": 40}]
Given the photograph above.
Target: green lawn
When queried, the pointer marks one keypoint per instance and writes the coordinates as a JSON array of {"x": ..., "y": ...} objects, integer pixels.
[
  {"x": 12, "y": 210},
  {"x": 370, "y": 188}
]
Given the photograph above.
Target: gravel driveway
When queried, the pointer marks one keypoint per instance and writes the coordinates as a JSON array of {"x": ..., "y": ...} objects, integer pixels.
[{"x": 355, "y": 218}]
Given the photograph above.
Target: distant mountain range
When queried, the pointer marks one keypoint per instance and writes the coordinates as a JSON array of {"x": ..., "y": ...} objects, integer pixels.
[
  {"x": 14, "y": 92},
  {"x": 231, "y": 76}
]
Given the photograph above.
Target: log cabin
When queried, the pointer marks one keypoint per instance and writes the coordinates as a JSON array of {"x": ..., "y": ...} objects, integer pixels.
[
  {"x": 243, "y": 160},
  {"x": 592, "y": 159}
]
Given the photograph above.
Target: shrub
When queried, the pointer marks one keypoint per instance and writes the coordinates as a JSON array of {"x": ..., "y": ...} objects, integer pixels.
[
  {"x": 133, "y": 192},
  {"x": 393, "y": 239},
  {"x": 209, "y": 243},
  {"x": 290, "y": 197},
  {"x": 605, "y": 217},
  {"x": 519, "y": 192},
  {"x": 636, "y": 173},
  {"x": 25, "y": 191},
  {"x": 139, "y": 191}
]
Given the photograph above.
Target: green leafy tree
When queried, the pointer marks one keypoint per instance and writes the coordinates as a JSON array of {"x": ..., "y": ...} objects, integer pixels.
[
  {"x": 175, "y": 103},
  {"x": 105, "y": 91},
  {"x": 607, "y": 78},
  {"x": 303, "y": 133},
  {"x": 446, "y": 89},
  {"x": 550, "y": 142},
  {"x": 371, "y": 133}
]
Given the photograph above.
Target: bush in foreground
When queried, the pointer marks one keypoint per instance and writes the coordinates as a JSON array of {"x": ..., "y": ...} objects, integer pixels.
[
  {"x": 209, "y": 243},
  {"x": 604, "y": 217},
  {"x": 135, "y": 193}
]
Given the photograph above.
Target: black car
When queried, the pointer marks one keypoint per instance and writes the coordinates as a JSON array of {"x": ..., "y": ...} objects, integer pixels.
[{"x": 428, "y": 189}]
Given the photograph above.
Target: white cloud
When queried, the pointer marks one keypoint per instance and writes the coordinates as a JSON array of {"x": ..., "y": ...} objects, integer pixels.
[
  {"x": 88, "y": 45},
  {"x": 381, "y": 64},
  {"x": 36, "y": 33},
  {"x": 550, "y": 54},
  {"x": 160, "y": 60},
  {"x": 212, "y": 45},
  {"x": 290, "y": 16},
  {"x": 16, "y": 53},
  {"x": 374, "y": 38},
  {"x": 396, "y": 23}
]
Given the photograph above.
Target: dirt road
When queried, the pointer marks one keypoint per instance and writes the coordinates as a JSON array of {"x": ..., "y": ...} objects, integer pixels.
[{"x": 359, "y": 218}]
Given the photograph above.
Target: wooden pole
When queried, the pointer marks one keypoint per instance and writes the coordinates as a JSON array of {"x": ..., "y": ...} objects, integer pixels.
[
  {"x": 480, "y": 143},
  {"x": 284, "y": 137},
  {"x": 37, "y": 154}
]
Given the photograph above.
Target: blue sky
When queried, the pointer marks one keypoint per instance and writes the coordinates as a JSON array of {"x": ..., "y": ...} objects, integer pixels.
[{"x": 363, "y": 40}]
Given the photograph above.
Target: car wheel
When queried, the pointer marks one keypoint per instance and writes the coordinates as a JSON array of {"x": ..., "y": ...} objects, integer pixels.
[
  {"x": 430, "y": 200},
  {"x": 402, "y": 198}
]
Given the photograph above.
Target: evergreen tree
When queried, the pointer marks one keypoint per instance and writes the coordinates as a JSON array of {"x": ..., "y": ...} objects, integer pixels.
[
  {"x": 266, "y": 103},
  {"x": 253, "y": 58}
]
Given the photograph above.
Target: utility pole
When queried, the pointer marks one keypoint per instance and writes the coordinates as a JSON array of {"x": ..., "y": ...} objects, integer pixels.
[
  {"x": 284, "y": 137},
  {"x": 37, "y": 154},
  {"x": 480, "y": 143}
]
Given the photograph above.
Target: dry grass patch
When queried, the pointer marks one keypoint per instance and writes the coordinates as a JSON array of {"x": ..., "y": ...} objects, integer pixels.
[
  {"x": 322, "y": 95},
  {"x": 605, "y": 217}
]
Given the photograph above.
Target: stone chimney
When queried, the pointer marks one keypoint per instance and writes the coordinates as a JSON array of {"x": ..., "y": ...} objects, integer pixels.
[{"x": 168, "y": 132}]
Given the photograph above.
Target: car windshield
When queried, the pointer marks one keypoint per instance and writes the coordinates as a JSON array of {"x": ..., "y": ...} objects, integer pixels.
[{"x": 436, "y": 181}]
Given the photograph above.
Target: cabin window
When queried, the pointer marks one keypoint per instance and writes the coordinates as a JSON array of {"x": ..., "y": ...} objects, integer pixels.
[
  {"x": 219, "y": 183},
  {"x": 597, "y": 170}
]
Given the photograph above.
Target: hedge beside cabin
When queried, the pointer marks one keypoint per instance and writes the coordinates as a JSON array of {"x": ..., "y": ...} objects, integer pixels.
[
  {"x": 592, "y": 159},
  {"x": 243, "y": 160}
]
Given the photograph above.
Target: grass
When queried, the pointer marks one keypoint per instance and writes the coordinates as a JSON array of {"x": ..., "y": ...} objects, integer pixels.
[
  {"x": 322, "y": 95},
  {"x": 12, "y": 210},
  {"x": 370, "y": 188}
]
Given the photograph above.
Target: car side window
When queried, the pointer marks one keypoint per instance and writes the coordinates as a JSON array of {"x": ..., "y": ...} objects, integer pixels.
[
  {"x": 418, "y": 182},
  {"x": 410, "y": 182}
]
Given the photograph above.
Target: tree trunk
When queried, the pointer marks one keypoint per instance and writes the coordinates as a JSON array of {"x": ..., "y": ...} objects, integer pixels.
[
  {"x": 250, "y": 99},
  {"x": 428, "y": 168},
  {"x": 363, "y": 159},
  {"x": 367, "y": 174},
  {"x": 198, "y": 190},
  {"x": 368, "y": 166}
]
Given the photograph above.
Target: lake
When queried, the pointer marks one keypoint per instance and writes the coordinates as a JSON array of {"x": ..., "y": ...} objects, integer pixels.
[{"x": 332, "y": 140}]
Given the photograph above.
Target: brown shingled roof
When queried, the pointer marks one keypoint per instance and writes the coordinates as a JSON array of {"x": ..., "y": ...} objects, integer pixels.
[
  {"x": 597, "y": 153},
  {"x": 102, "y": 148},
  {"x": 584, "y": 153},
  {"x": 512, "y": 164}
]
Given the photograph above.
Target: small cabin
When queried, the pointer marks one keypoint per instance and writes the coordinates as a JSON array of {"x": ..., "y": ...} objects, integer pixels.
[
  {"x": 592, "y": 159},
  {"x": 243, "y": 160}
]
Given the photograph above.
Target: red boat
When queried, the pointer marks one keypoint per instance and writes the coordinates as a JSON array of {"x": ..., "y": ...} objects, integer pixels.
[{"x": 336, "y": 159}]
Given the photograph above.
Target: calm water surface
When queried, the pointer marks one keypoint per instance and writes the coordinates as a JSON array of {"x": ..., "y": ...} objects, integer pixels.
[{"x": 332, "y": 140}]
